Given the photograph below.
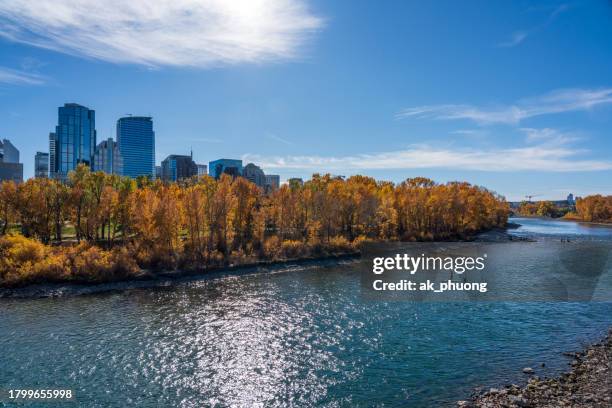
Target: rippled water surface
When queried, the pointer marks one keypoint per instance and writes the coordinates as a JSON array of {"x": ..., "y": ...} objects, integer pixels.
[
  {"x": 547, "y": 227},
  {"x": 301, "y": 337}
]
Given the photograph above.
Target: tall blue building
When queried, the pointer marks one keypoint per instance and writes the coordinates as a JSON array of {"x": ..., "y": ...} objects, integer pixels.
[
  {"x": 74, "y": 139},
  {"x": 107, "y": 157},
  {"x": 136, "y": 143},
  {"x": 232, "y": 167}
]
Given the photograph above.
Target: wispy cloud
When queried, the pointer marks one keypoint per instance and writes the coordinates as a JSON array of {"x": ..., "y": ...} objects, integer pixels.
[
  {"x": 549, "y": 136},
  {"x": 559, "y": 101},
  {"x": 519, "y": 36},
  {"x": 516, "y": 38},
  {"x": 530, "y": 158},
  {"x": 277, "y": 138},
  {"x": 16, "y": 77},
  {"x": 196, "y": 33},
  {"x": 464, "y": 132},
  {"x": 468, "y": 132}
]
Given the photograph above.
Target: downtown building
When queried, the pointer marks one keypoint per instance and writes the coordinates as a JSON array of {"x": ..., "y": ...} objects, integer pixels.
[
  {"x": 10, "y": 168},
  {"x": 136, "y": 144},
  {"x": 233, "y": 167},
  {"x": 202, "y": 169},
  {"x": 107, "y": 157},
  {"x": 272, "y": 182},
  {"x": 178, "y": 167},
  {"x": 254, "y": 174},
  {"x": 74, "y": 140},
  {"x": 41, "y": 165}
]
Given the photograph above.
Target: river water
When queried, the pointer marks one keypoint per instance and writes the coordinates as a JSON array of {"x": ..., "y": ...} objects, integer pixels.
[{"x": 302, "y": 336}]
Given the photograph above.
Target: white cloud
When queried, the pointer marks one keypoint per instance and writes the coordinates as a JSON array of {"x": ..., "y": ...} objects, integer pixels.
[
  {"x": 559, "y": 101},
  {"x": 15, "y": 77},
  {"x": 529, "y": 158},
  {"x": 464, "y": 132},
  {"x": 196, "y": 33},
  {"x": 548, "y": 136},
  {"x": 517, "y": 38}
]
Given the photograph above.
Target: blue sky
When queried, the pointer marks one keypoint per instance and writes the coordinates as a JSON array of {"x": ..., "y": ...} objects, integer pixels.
[{"x": 515, "y": 96}]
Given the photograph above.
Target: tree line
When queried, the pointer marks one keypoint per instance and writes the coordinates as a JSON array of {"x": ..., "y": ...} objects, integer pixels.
[
  {"x": 118, "y": 224},
  {"x": 541, "y": 209},
  {"x": 594, "y": 208}
]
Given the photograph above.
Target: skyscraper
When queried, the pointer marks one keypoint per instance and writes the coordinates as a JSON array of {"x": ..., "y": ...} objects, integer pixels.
[
  {"x": 8, "y": 152},
  {"x": 52, "y": 155},
  {"x": 136, "y": 142},
  {"x": 107, "y": 157},
  {"x": 10, "y": 168},
  {"x": 176, "y": 167},
  {"x": 254, "y": 174},
  {"x": 41, "y": 165},
  {"x": 74, "y": 139}
]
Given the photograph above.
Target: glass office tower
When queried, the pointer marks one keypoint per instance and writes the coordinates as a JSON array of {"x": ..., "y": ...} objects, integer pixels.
[
  {"x": 41, "y": 165},
  {"x": 75, "y": 139},
  {"x": 233, "y": 167},
  {"x": 178, "y": 167},
  {"x": 136, "y": 142},
  {"x": 107, "y": 157}
]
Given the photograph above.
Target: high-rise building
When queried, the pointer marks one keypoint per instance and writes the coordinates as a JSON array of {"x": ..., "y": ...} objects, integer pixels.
[
  {"x": 232, "y": 167},
  {"x": 52, "y": 155},
  {"x": 254, "y": 174},
  {"x": 272, "y": 182},
  {"x": 10, "y": 168},
  {"x": 107, "y": 157},
  {"x": 74, "y": 139},
  {"x": 202, "y": 169},
  {"x": 11, "y": 171},
  {"x": 177, "y": 167},
  {"x": 8, "y": 152},
  {"x": 41, "y": 165},
  {"x": 136, "y": 141},
  {"x": 158, "y": 172}
]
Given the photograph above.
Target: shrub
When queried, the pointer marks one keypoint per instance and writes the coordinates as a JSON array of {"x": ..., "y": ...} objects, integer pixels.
[
  {"x": 339, "y": 244},
  {"x": 271, "y": 247},
  {"x": 18, "y": 257},
  {"x": 293, "y": 249},
  {"x": 24, "y": 260},
  {"x": 360, "y": 241}
]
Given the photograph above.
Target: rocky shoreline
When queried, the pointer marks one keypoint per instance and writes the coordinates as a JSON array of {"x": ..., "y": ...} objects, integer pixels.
[{"x": 588, "y": 384}]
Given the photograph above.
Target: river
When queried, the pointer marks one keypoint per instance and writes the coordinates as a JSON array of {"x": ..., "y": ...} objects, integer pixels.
[{"x": 301, "y": 336}]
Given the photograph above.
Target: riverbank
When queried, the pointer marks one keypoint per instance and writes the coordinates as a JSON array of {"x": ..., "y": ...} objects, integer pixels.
[
  {"x": 588, "y": 384},
  {"x": 154, "y": 278},
  {"x": 149, "y": 279}
]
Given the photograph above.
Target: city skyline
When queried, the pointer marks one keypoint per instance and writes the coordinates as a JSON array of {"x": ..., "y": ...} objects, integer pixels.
[{"x": 513, "y": 97}]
